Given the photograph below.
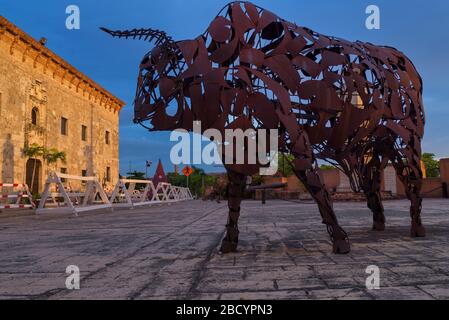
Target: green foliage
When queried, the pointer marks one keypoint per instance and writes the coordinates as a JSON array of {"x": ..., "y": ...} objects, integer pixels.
[
  {"x": 327, "y": 167},
  {"x": 136, "y": 175},
  {"x": 196, "y": 179},
  {"x": 432, "y": 165},
  {"x": 52, "y": 156},
  {"x": 177, "y": 179},
  {"x": 257, "y": 180},
  {"x": 285, "y": 166},
  {"x": 34, "y": 151}
]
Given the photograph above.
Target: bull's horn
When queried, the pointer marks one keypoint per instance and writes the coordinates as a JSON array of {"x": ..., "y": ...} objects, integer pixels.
[{"x": 159, "y": 37}]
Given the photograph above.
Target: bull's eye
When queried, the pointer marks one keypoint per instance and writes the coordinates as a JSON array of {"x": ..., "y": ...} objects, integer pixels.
[{"x": 145, "y": 60}]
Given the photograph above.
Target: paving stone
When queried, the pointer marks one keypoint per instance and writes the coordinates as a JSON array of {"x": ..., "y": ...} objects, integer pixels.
[
  {"x": 400, "y": 293},
  {"x": 339, "y": 294},
  {"x": 171, "y": 252},
  {"x": 219, "y": 285},
  {"x": 438, "y": 291},
  {"x": 266, "y": 295},
  {"x": 298, "y": 284}
]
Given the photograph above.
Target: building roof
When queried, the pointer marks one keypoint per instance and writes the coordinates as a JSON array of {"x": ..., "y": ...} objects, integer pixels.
[
  {"x": 159, "y": 176},
  {"x": 19, "y": 35}
]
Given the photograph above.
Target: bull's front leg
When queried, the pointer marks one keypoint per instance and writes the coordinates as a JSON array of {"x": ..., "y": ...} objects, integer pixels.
[
  {"x": 413, "y": 185},
  {"x": 312, "y": 181},
  {"x": 303, "y": 166},
  {"x": 236, "y": 189},
  {"x": 372, "y": 188}
]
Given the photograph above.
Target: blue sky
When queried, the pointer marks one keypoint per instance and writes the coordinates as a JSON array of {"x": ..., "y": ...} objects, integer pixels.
[{"x": 420, "y": 29}]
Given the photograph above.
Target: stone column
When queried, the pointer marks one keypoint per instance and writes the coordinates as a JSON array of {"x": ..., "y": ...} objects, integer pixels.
[
  {"x": 390, "y": 180},
  {"x": 444, "y": 174},
  {"x": 344, "y": 185},
  {"x": 444, "y": 170},
  {"x": 7, "y": 156}
]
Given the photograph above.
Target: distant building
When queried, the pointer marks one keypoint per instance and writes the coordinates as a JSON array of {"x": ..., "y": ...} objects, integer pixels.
[
  {"x": 159, "y": 176},
  {"x": 46, "y": 101}
]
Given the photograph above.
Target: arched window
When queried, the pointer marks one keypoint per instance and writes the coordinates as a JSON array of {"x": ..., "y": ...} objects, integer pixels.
[{"x": 34, "y": 116}]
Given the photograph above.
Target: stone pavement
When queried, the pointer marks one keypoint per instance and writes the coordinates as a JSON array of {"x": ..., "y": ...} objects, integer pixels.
[{"x": 170, "y": 252}]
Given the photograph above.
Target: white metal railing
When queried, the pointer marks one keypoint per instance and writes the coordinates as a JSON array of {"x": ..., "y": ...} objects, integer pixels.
[
  {"x": 125, "y": 194},
  {"x": 14, "y": 196},
  {"x": 69, "y": 200}
]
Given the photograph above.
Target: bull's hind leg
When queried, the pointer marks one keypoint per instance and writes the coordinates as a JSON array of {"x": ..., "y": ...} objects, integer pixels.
[
  {"x": 236, "y": 189},
  {"x": 371, "y": 187},
  {"x": 312, "y": 181},
  {"x": 410, "y": 177},
  {"x": 409, "y": 172}
]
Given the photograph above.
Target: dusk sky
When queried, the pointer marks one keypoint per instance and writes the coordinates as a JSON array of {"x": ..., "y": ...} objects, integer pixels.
[{"x": 418, "y": 28}]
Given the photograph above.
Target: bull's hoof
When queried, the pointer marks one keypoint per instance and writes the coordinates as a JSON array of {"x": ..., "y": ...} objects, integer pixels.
[
  {"x": 378, "y": 226},
  {"x": 418, "y": 231},
  {"x": 341, "y": 246},
  {"x": 228, "y": 247}
]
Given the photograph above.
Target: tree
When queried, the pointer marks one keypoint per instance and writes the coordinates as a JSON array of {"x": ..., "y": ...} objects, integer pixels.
[
  {"x": 285, "y": 164},
  {"x": 432, "y": 165},
  {"x": 34, "y": 151},
  {"x": 198, "y": 180},
  {"x": 327, "y": 167},
  {"x": 136, "y": 175},
  {"x": 52, "y": 156},
  {"x": 257, "y": 180}
]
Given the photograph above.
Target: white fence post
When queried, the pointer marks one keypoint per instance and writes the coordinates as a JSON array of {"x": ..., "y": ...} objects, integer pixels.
[
  {"x": 75, "y": 206},
  {"x": 22, "y": 193},
  {"x": 123, "y": 195},
  {"x": 132, "y": 196}
]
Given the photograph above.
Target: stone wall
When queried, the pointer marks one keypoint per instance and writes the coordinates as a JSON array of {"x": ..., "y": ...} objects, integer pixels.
[
  {"x": 331, "y": 179},
  {"x": 336, "y": 181},
  {"x": 33, "y": 77},
  {"x": 444, "y": 170}
]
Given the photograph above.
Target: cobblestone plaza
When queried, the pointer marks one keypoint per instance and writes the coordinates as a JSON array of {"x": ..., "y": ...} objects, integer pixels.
[{"x": 171, "y": 252}]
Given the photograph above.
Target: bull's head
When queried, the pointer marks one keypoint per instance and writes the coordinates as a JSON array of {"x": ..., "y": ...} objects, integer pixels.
[{"x": 159, "y": 103}]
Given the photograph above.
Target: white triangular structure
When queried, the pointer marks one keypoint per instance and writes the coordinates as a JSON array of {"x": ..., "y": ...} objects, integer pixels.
[
  {"x": 120, "y": 195},
  {"x": 93, "y": 198},
  {"x": 185, "y": 194},
  {"x": 17, "y": 191},
  {"x": 163, "y": 192},
  {"x": 174, "y": 194},
  {"x": 124, "y": 194},
  {"x": 128, "y": 196}
]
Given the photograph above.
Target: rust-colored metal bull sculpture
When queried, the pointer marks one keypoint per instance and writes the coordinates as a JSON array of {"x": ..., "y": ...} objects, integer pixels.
[{"x": 353, "y": 104}]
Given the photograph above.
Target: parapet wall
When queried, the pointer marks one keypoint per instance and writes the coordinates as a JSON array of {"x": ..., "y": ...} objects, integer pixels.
[{"x": 432, "y": 187}]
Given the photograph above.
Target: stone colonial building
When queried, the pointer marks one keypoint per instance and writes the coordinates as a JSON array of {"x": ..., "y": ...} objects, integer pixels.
[{"x": 44, "y": 101}]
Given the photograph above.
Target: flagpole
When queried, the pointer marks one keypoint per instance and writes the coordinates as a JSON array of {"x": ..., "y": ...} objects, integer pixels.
[{"x": 147, "y": 165}]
